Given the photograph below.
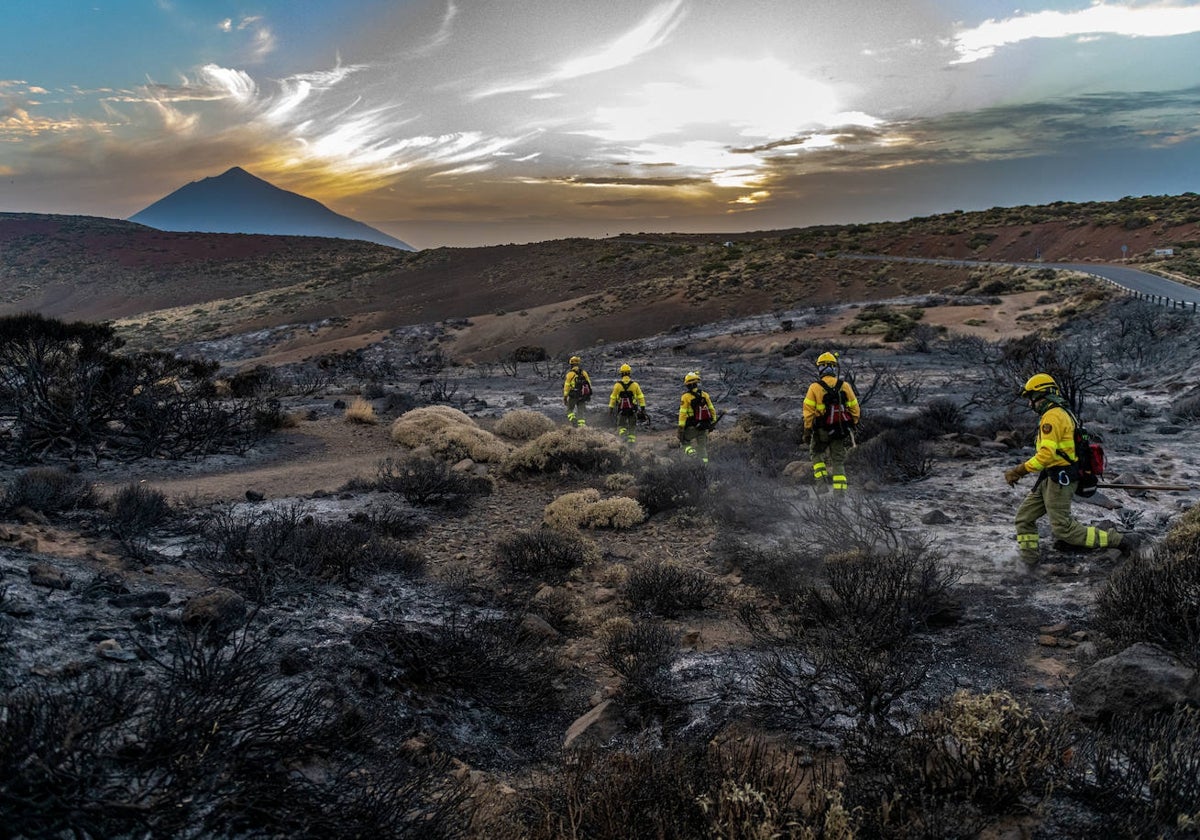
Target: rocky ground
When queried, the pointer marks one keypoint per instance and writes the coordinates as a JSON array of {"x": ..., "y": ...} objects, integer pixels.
[{"x": 80, "y": 602}]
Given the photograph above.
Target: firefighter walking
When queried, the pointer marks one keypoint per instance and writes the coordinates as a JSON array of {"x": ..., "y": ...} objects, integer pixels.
[
  {"x": 625, "y": 404},
  {"x": 831, "y": 412},
  {"x": 577, "y": 390},
  {"x": 697, "y": 416},
  {"x": 1056, "y": 482}
]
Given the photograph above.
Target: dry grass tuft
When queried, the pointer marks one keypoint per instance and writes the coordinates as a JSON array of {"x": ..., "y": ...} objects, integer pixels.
[
  {"x": 586, "y": 509},
  {"x": 566, "y": 449},
  {"x": 449, "y": 433},
  {"x": 361, "y": 411},
  {"x": 524, "y": 424}
]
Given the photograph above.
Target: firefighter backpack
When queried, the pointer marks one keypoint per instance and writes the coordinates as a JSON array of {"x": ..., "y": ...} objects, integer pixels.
[{"x": 837, "y": 420}]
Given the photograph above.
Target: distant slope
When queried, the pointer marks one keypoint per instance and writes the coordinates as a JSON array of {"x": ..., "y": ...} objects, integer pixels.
[
  {"x": 180, "y": 287},
  {"x": 90, "y": 268},
  {"x": 238, "y": 202}
]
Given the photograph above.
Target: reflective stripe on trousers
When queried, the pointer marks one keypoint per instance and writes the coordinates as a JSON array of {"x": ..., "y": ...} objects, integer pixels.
[{"x": 820, "y": 471}]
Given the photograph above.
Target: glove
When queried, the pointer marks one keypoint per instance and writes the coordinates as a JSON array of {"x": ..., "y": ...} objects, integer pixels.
[
  {"x": 682, "y": 436},
  {"x": 612, "y": 412},
  {"x": 806, "y": 437},
  {"x": 1015, "y": 474},
  {"x": 565, "y": 400}
]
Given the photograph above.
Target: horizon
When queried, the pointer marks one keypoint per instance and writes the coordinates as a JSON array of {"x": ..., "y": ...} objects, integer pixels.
[{"x": 447, "y": 125}]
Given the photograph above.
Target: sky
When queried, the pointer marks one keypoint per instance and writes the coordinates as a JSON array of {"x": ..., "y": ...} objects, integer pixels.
[{"x": 480, "y": 122}]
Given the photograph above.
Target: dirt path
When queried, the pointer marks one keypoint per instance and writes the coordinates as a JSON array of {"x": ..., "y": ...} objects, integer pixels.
[{"x": 319, "y": 455}]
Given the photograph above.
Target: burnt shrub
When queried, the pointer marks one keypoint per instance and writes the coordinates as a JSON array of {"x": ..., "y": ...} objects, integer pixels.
[
  {"x": 745, "y": 496},
  {"x": 546, "y": 554},
  {"x": 781, "y": 569},
  {"x": 1154, "y": 600},
  {"x": 287, "y": 552},
  {"x": 972, "y": 759},
  {"x": 669, "y": 589},
  {"x": 855, "y": 636},
  {"x": 641, "y": 652},
  {"x": 1139, "y": 774},
  {"x": 396, "y": 519},
  {"x": 206, "y": 744},
  {"x": 896, "y": 455},
  {"x": 941, "y": 416},
  {"x": 489, "y": 660},
  {"x": 1186, "y": 409},
  {"x": 68, "y": 389},
  {"x": 671, "y": 486},
  {"x": 48, "y": 490},
  {"x": 430, "y": 482},
  {"x": 738, "y": 789},
  {"x": 136, "y": 510}
]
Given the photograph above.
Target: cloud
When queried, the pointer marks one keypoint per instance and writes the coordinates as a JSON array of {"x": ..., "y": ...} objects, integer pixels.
[
  {"x": 651, "y": 33},
  {"x": 1157, "y": 20},
  {"x": 442, "y": 36}
]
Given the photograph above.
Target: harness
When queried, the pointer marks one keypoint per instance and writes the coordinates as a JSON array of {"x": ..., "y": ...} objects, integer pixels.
[{"x": 625, "y": 400}]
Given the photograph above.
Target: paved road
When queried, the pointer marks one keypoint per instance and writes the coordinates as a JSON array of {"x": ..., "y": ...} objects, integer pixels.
[
  {"x": 1137, "y": 281},
  {"x": 1142, "y": 283}
]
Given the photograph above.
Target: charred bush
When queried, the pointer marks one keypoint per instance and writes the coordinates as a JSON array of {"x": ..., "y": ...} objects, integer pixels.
[
  {"x": 641, "y": 652},
  {"x": 287, "y": 552},
  {"x": 671, "y": 486},
  {"x": 669, "y": 589},
  {"x": 738, "y": 790},
  {"x": 745, "y": 496},
  {"x": 1154, "y": 600},
  {"x": 430, "y": 482},
  {"x": 252, "y": 382},
  {"x": 781, "y": 569},
  {"x": 490, "y": 661},
  {"x": 941, "y": 416},
  {"x": 1140, "y": 775},
  {"x": 397, "y": 521},
  {"x": 857, "y": 635},
  {"x": 136, "y": 510},
  {"x": 206, "y": 744},
  {"x": 48, "y": 490},
  {"x": 79, "y": 396},
  {"x": 546, "y": 554},
  {"x": 973, "y": 759},
  {"x": 897, "y": 456},
  {"x": 765, "y": 442}
]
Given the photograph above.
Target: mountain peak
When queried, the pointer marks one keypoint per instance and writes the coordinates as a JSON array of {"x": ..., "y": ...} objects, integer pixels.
[{"x": 238, "y": 202}]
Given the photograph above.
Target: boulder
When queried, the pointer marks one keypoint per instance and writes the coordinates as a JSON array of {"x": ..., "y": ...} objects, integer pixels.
[
  {"x": 215, "y": 611},
  {"x": 1143, "y": 678}
]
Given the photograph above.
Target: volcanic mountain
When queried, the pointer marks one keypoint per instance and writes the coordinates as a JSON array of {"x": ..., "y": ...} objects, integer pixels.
[{"x": 238, "y": 202}]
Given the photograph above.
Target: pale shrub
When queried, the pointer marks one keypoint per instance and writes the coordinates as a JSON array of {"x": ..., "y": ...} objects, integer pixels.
[
  {"x": 565, "y": 449},
  {"x": 448, "y": 433},
  {"x": 523, "y": 424},
  {"x": 360, "y": 411},
  {"x": 586, "y": 509},
  {"x": 619, "y": 481}
]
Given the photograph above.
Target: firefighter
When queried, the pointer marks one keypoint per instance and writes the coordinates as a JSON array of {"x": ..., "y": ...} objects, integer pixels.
[
  {"x": 1054, "y": 488},
  {"x": 577, "y": 390},
  {"x": 626, "y": 404},
  {"x": 831, "y": 412},
  {"x": 697, "y": 416}
]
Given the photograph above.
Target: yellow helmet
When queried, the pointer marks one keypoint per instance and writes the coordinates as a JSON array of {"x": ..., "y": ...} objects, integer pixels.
[
  {"x": 625, "y": 370},
  {"x": 1040, "y": 383},
  {"x": 575, "y": 360},
  {"x": 827, "y": 359},
  {"x": 692, "y": 378}
]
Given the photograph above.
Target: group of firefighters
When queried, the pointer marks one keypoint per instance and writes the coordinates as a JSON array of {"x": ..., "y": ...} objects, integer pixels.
[{"x": 831, "y": 416}]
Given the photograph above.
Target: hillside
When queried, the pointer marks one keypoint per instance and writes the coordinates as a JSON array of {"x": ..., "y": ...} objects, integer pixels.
[{"x": 171, "y": 287}]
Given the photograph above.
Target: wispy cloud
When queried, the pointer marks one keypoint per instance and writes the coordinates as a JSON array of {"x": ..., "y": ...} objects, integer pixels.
[
  {"x": 652, "y": 32},
  {"x": 442, "y": 36},
  {"x": 1157, "y": 20}
]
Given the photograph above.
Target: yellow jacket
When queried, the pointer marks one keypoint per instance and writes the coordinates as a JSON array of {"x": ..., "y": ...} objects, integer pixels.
[
  {"x": 635, "y": 391},
  {"x": 1055, "y": 434},
  {"x": 687, "y": 407},
  {"x": 573, "y": 374},
  {"x": 814, "y": 401}
]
